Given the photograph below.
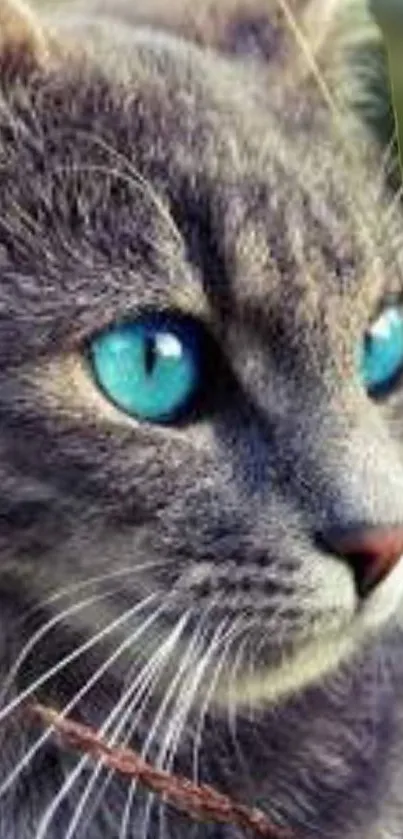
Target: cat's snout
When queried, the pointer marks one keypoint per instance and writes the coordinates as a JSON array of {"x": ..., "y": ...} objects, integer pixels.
[{"x": 372, "y": 553}]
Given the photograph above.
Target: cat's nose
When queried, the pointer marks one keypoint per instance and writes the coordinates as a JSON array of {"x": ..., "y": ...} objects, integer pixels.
[{"x": 371, "y": 552}]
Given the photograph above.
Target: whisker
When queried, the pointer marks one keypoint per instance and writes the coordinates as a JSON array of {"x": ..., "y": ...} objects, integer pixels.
[
  {"x": 232, "y": 710},
  {"x": 120, "y": 175},
  {"x": 89, "y": 582},
  {"x": 186, "y": 661},
  {"x": 71, "y": 657},
  {"x": 147, "y": 688},
  {"x": 181, "y": 713},
  {"x": 138, "y": 181},
  {"x": 208, "y": 698},
  {"x": 5, "y": 786},
  {"x": 28, "y": 228},
  {"x": 143, "y": 695},
  {"x": 67, "y": 786},
  {"x": 44, "y": 630},
  {"x": 190, "y": 688},
  {"x": 126, "y": 571}
]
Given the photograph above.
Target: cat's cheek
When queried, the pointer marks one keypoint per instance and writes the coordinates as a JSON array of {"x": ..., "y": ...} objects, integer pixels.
[
  {"x": 312, "y": 662},
  {"x": 65, "y": 384}
]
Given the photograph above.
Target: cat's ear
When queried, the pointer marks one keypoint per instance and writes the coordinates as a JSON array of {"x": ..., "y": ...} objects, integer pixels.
[{"x": 23, "y": 42}]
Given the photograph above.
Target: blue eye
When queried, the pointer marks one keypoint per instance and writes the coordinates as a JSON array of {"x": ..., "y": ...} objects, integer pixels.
[
  {"x": 381, "y": 353},
  {"x": 151, "y": 368}
]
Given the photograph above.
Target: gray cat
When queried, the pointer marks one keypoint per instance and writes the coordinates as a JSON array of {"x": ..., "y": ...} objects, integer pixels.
[{"x": 201, "y": 471}]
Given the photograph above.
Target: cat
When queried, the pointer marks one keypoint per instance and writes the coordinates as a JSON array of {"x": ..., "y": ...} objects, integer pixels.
[{"x": 201, "y": 470}]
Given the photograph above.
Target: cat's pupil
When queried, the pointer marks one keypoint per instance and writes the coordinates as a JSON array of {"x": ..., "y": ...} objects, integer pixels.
[{"x": 150, "y": 355}]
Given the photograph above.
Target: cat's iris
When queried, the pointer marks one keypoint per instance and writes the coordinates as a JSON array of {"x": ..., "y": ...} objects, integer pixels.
[
  {"x": 381, "y": 352},
  {"x": 149, "y": 368}
]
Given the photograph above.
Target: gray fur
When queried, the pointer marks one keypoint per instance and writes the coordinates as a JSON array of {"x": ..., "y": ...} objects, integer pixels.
[{"x": 144, "y": 167}]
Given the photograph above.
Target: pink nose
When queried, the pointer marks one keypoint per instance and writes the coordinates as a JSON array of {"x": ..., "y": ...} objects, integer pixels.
[{"x": 371, "y": 552}]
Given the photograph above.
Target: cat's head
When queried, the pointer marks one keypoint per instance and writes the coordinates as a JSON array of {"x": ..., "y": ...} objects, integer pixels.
[{"x": 201, "y": 341}]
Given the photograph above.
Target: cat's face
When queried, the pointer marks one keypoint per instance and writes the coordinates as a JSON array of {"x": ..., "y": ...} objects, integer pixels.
[{"x": 239, "y": 259}]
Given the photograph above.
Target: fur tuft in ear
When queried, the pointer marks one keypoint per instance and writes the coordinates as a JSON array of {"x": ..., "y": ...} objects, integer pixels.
[{"x": 23, "y": 45}]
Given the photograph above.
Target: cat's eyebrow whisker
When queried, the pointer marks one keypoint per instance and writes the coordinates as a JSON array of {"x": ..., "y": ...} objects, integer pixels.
[
  {"x": 155, "y": 665},
  {"x": 32, "y": 231},
  {"x": 122, "y": 176},
  {"x": 33, "y": 236},
  {"x": 164, "y": 251},
  {"x": 138, "y": 180},
  {"x": 91, "y": 682}
]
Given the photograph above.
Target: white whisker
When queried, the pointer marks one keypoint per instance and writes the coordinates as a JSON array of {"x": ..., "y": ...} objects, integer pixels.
[
  {"x": 71, "y": 657},
  {"x": 120, "y": 175},
  {"x": 74, "y": 588},
  {"x": 5, "y": 786},
  {"x": 181, "y": 713},
  {"x": 143, "y": 695},
  {"x": 42, "y": 632},
  {"x": 67, "y": 786},
  {"x": 138, "y": 181},
  {"x": 186, "y": 661},
  {"x": 232, "y": 708},
  {"x": 208, "y": 698}
]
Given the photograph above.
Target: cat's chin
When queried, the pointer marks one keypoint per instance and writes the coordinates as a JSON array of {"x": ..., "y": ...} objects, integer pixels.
[{"x": 306, "y": 665}]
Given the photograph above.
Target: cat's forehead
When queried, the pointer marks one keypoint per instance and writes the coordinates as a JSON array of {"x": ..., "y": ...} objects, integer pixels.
[{"x": 141, "y": 190}]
